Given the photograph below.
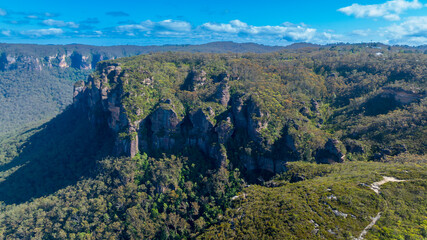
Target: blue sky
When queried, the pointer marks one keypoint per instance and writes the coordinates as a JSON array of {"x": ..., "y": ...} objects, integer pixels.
[{"x": 161, "y": 22}]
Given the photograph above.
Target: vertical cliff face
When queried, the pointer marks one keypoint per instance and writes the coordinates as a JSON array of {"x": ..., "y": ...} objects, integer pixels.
[
  {"x": 165, "y": 129},
  {"x": 228, "y": 127},
  {"x": 102, "y": 104},
  {"x": 73, "y": 60}
]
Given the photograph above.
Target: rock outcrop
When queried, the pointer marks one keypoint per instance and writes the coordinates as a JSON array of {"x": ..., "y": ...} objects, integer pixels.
[
  {"x": 333, "y": 152},
  {"x": 401, "y": 96},
  {"x": 63, "y": 60},
  {"x": 195, "y": 79},
  {"x": 390, "y": 98},
  {"x": 223, "y": 94},
  {"x": 163, "y": 124},
  {"x": 236, "y": 134},
  {"x": 103, "y": 106}
]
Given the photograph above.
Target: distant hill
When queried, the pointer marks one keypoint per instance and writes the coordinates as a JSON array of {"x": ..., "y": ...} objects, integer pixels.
[{"x": 302, "y": 45}]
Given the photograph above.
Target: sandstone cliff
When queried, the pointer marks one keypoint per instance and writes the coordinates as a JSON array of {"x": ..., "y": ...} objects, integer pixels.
[{"x": 226, "y": 127}]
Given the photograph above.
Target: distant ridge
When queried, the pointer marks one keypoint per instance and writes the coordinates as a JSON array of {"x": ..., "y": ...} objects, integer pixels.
[
  {"x": 131, "y": 50},
  {"x": 116, "y": 51}
]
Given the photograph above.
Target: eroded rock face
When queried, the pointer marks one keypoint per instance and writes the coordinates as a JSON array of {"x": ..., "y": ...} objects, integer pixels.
[
  {"x": 224, "y": 129},
  {"x": 163, "y": 123},
  {"x": 79, "y": 95},
  {"x": 255, "y": 122},
  {"x": 400, "y": 95},
  {"x": 10, "y": 62},
  {"x": 236, "y": 133},
  {"x": 195, "y": 79},
  {"x": 76, "y": 60},
  {"x": 219, "y": 153},
  {"x": 388, "y": 99},
  {"x": 103, "y": 106},
  {"x": 333, "y": 152},
  {"x": 223, "y": 94},
  {"x": 200, "y": 134},
  {"x": 239, "y": 114},
  {"x": 201, "y": 121}
]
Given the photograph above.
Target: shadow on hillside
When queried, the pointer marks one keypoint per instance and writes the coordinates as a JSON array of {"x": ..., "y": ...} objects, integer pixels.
[{"x": 62, "y": 152}]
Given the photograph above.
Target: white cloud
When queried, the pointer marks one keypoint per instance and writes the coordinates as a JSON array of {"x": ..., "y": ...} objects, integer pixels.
[
  {"x": 412, "y": 27},
  {"x": 6, "y": 33},
  {"x": 173, "y": 25},
  {"x": 59, "y": 23},
  {"x": 130, "y": 29},
  {"x": 286, "y": 31},
  {"x": 234, "y": 30},
  {"x": 415, "y": 41},
  {"x": 222, "y": 27},
  {"x": 165, "y": 27},
  {"x": 362, "y": 32},
  {"x": 3, "y": 12},
  {"x": 389, "y": 10},
  {"x": 43, "y": 32},
  {"x": 326, "y": 37}
]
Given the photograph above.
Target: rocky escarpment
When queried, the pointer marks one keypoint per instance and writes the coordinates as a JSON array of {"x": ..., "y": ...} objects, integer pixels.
[
  {"x": 103, "y": 107},
  {"x": 390, "y": 98},
  {"x": 226, "y": 127},
  {"x": 75, "y": 60}
]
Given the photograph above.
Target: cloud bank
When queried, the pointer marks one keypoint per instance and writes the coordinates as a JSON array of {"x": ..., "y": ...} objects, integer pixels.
[
  {"x": 165, "y": 27},
  {"x": 411, "y": 31},
  {"x": 288, "y": 31},
  {"x": 389, "y": 10},
  {"x": 58, "y": 23}
]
